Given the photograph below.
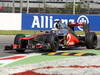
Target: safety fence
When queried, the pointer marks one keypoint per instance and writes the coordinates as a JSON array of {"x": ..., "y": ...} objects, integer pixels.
[{"x": 19, "y": 21}]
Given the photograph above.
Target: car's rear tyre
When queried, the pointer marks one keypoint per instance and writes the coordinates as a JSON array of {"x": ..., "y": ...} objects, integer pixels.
[
  {"x": 20, "y": 42},
  {"x": 91, "y": 40}
]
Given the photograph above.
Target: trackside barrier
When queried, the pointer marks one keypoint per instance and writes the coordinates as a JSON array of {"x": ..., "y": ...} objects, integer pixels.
[
  {"x": 10, "y": 21},
  {"x": 46, "y": 21},
  {"x": 18, "y": 21}
]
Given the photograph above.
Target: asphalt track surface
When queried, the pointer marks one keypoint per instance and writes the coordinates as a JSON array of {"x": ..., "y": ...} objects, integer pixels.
[{"x": 8, "y": 39}]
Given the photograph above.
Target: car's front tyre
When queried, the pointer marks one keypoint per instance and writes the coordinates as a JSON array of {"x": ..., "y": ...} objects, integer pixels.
[{"x": 20, "y": 42}]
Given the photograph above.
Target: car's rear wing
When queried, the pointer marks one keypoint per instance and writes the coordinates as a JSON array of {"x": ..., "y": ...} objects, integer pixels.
[
  {"x": 75, "y": 24},
  {"x": 81, "y": 24}
]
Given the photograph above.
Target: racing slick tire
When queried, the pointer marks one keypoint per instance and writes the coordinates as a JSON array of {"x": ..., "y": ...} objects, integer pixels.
[
  {"x": 20, "y": 42},
  {"x": 54, "y": 42},
  {"x": 91, "y": 40},
  {"x": 17, "y": 38}
]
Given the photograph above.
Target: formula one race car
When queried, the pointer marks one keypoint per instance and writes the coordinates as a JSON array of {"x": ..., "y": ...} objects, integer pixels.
[{"x": 51, "y": 42}]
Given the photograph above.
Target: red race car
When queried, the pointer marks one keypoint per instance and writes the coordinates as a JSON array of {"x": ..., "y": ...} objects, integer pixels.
[{"x": 49, "y": 41}]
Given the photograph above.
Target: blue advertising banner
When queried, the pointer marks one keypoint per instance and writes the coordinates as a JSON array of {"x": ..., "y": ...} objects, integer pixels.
[{"x": 46, "y": 21}]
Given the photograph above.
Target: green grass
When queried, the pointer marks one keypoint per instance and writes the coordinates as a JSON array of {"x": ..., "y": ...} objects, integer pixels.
[
  {"x": 14, "y": 32},
  {"x": 80, "y": 32},
  {"x": 87, "y": 51},
  {"x": 37, "y": 59}
]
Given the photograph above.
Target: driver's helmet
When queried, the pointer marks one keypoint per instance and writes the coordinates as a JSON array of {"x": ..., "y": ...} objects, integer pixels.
[
  {"x": 57, "y": 24},
  {"x": 57, "y": 20}
]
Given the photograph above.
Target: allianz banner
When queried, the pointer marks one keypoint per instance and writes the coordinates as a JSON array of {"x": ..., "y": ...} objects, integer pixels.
[{"x": 46, "y": 21}]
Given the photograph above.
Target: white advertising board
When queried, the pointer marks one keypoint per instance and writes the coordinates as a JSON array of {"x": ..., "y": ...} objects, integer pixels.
[{"x": 10, "y": 21}]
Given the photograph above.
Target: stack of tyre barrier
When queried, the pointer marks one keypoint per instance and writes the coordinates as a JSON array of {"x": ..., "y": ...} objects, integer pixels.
[{"x": 88, "y": 65}]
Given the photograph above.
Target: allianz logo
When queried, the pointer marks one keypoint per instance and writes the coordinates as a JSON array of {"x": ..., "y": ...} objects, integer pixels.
[
  {"x": 82, "y": 18},
  {"x": 48, "y": 21}
]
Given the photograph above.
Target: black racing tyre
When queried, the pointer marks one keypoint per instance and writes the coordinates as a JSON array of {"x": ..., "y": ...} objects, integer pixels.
[
  {"x": 20, "y": 42},
  {"x": 54, "y": 42},
  {"x": 23, "y": 44},
  {"x": 17, "y": 38},
  {"x": 91, "y": 40}
]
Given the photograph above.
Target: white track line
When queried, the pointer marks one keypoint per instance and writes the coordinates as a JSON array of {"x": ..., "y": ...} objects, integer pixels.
[{"x": 27, "y": 56}]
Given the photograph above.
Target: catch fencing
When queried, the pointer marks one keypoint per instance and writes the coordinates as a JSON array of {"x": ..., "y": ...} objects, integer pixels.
[{"x": 19, "y": 21}]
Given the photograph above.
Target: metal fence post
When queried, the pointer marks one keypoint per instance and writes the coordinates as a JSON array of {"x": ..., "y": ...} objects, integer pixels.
[
  {"x": 27, "y": 6},
  {"x": 13, "y": 6},
  {"x": 21, "y": 6},
  {"x": 74, "y": 3}
]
